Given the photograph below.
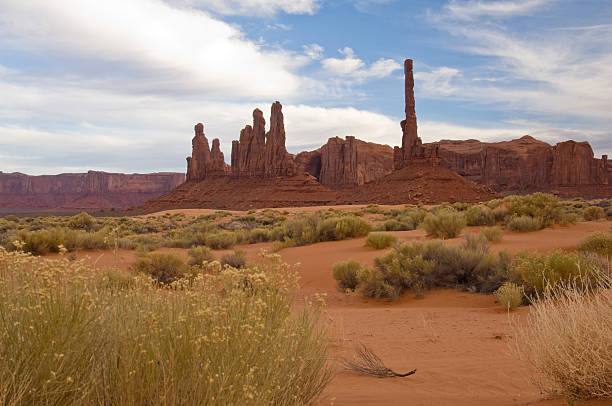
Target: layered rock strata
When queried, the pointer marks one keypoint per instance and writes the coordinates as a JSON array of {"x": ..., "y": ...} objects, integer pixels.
[
  {"x": 348, "y": 163},
  {"x": 82, "y": 191}
]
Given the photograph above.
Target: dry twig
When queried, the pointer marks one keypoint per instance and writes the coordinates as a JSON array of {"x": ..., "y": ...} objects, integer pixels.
[{"x": 366, "y": 362}]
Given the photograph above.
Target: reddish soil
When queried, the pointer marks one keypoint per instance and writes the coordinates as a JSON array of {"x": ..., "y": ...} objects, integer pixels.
[
  {"x": 418, "y": 183},
  {"x": 457, "y": 341}
]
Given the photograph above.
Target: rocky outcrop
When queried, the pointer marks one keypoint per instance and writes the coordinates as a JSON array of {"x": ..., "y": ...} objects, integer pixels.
[
  {"x": 309, "y": 162},
  {"x": 525, "y": 164},
  {"x": 411, "y": 143},
  {"x": 258, "y": 154},
  {"x": 204, "y": 161},
  {"x": 82, "y": 191},
  {"x": 347, "y": 163}
]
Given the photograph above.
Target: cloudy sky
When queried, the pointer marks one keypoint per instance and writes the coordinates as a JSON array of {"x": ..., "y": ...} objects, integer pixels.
[{"x": 118, "y": 85}]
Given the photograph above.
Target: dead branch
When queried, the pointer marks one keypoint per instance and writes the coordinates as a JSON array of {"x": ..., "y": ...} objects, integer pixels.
[{"x": 366, "y": 362}]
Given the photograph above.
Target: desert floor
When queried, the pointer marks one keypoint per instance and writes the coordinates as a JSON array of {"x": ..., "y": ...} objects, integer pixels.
[{"x": 459, "y": 342}]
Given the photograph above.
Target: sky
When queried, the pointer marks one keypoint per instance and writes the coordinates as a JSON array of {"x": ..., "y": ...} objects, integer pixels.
[{"x": 118, "y": 85}]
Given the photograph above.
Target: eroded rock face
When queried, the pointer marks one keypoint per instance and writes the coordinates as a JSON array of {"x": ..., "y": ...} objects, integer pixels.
[
  {"x": 525, "y": 164},
  {"x": 309, "y": 162},
  {"x": 82, "y": 191},
  {"x": 411, "y": 143},
  {"x": 203, "y": 161},
  {"x": 258, "y": 154},
  {"x": 347, "y": 163}
]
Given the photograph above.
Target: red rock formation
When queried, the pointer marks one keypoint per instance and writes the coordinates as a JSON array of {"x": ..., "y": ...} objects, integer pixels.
[
  {"x": 82, "y": 191},
  {"x": 526, "y": 164},
  {"x": 278, "y": 161},
  {"x": 351, "y": 162},
  {"x": 411, "y": 143},
  {"x": 309, "y": 162},
  {"x": 203, "y": 161},
  {"x": 258, "y": 154}
]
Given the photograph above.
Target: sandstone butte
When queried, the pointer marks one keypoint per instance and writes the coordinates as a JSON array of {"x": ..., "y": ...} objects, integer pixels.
[
  {"x": 82, "y": 191},
  {"x": 344, "y": 171},
  {"x": 264, "y": 174}
]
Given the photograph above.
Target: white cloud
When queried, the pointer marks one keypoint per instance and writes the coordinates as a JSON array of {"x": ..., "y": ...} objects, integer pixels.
[
  {"x": 164, "y": 47},
  {"x": 313, "y": 51},
  {"x": 352, "y": 67},
  {"x": 437, "y": 82},
  {"x": 561, "y": 74},
  {"x": 254, "y": 7},
  {"x": 472, "y": 9}
]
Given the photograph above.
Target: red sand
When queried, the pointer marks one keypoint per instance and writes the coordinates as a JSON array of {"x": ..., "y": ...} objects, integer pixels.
[{"x": 457, "y": 341}]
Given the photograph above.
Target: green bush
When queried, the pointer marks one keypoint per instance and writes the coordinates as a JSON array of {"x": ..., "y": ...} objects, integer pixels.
[
  {"x": 236, "y": 259},
  {"x": 537, "y": 271},
  {"x": 509, "y": 295},
  {"x": 446, "y": 223},
  {"x": 163, "y": 267},
  {"x": 592, "y": 213},
  {"x": 524, "y": 224},
  {"x": 597, "y": 243},
  {"x": 82, "y": 220},
  {"x": 200, "y": 254},
  {"x": 346, "y": 274},
  {"x": 492, "y": 234},
  {"x": 372, "y": 284},
  {"x": 351, "y": 227},
  {"x": 421, "y": 266},
  {"x": 479, "y": 216},
  {"x": 547, "y": 208},
  {"x": 500, "y": 213},
  {"x": 259, "y": 235},
  {"x": 221, "y": 241},
  {"x": 379, "y": 241}
]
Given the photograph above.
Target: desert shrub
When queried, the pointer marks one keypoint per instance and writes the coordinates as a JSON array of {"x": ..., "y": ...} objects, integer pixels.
[
  {"x": 163, "y": 267},
  {"x": 597, "y": 243},
  {"x": 379, "y": 240},
  {"x": 316, "y": 227},
  {"x": 12, "y": 217},
  {"x": 446, "y": 223},
  {"x": 592, "y": 213},
  {"x": 524, "y": 224},
  {"x": 82, "y": 220},
  {"x": 200, "y": 254},
  {"x": 479, "y": 216},
  {"x": 500, "y": 213},
  {"x": 372, "y": 284},
  {"x": 346, "y": 274},
  {"x": 351, "y": 227},
  {"x": 492, "y": 234},
  {"x": 509, "y": 295},
  {"x": 567, "y": 337},
  {"x": 71, "y": 339},
  {"x": 221, "y": 241},
  {"x": 259, "y": 235},
  {"x": 420, "y": 266},
  {"x": 236, "y": 259},
  {"x": 537, "y": 271},
  {"x": 113, "y": 278},
  {"x": 396, "y": 225},
  {"x": 547, "y": 208}
]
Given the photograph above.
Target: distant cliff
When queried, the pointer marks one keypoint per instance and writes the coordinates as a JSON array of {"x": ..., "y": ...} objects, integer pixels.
[{"x": 82, "y": 191}]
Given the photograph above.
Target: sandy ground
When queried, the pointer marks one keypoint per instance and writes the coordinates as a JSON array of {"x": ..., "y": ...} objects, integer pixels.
[{"x": 457, "y": 341}]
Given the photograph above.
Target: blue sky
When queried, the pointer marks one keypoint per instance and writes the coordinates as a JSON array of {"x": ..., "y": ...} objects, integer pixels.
[{"x": 118, "y": 85}]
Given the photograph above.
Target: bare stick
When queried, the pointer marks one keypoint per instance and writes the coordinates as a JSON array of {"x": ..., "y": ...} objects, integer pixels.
[{"x": 366, "y": 362}]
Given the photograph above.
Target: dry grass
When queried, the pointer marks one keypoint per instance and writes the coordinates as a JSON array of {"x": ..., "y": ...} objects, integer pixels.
[
  {"x": 510, "y": 295},
  {"x": 568, "y": 339},
  {"x": 71, "y": 336}
]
